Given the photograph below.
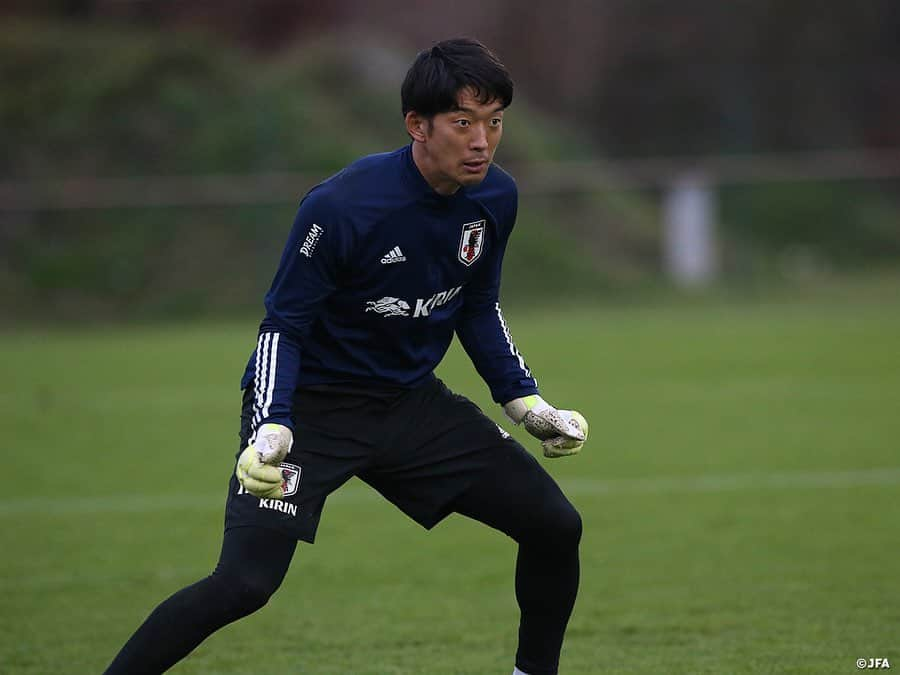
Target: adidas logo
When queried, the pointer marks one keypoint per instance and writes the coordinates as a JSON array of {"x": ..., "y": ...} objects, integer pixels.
[{"x": 395, "y": 255}]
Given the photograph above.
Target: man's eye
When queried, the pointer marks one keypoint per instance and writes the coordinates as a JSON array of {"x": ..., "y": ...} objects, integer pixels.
[
  {"x": 496, "y": 122},
  {"x": 463, "y": 123}
]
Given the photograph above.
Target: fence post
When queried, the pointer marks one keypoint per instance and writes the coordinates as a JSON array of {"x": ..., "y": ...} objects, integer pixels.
[{"x": 689, "y": 215}]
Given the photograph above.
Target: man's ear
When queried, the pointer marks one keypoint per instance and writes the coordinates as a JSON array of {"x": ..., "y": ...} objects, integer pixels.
[{"x": 417, "y": 126}]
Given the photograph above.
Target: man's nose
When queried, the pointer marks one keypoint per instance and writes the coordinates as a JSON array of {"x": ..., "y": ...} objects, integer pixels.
[{"x": 479, "y": 138}]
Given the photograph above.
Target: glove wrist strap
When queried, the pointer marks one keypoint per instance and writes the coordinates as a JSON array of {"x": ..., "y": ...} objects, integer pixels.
[{"x": 517, "y": 408}]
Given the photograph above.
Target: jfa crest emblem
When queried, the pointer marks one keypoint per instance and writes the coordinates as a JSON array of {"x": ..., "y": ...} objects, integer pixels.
[
  {"x": 471, "y": 242},
  {"x": 290, "y": 478}
]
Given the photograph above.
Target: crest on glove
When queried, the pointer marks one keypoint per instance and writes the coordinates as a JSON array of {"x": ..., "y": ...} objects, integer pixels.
[
  {"x": 471, "y": 242},
  {"x": 290, "y": 478}
]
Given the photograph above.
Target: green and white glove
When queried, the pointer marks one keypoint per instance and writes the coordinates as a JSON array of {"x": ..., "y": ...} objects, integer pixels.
[
  {"x": 561, "y": 432},
  {"x": 258, "y": 467}
]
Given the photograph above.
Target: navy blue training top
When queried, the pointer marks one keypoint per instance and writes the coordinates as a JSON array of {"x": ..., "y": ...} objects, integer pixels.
[{"x": 378, "y": 272}]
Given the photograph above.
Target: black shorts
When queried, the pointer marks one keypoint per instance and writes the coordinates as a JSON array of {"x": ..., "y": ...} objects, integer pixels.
[{"x": 420, "y": 448}]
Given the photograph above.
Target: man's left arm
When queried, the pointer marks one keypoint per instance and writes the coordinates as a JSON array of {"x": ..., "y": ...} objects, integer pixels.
[{"x": 485, "y": 336}]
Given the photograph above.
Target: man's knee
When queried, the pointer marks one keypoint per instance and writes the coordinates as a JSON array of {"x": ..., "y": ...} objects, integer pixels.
[
  {"x": 246, "y": 591},
  {"x": 567, "y": 527},
  {"x": 558, "y": 525},
  {"x": 251, "y": 567}
]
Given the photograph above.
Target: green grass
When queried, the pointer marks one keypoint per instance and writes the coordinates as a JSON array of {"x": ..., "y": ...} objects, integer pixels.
[{"x": 740, "y": 493}]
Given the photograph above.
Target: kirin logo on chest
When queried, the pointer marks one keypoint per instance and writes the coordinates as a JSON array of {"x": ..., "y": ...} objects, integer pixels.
[{"x": 390, "y": 306}]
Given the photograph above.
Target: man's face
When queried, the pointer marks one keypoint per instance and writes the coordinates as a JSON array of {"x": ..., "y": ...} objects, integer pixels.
[{"x": 459, "y": 145}]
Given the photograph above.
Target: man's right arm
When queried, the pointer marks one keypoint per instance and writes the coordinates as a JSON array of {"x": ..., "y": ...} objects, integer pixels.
[{"x": 307, "y": 274}]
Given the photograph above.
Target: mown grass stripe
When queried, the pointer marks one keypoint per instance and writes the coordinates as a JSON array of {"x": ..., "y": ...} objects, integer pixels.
[{"x": 789, "y": 480}]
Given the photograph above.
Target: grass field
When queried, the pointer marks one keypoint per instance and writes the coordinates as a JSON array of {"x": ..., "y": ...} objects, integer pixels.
[{"x": 740, "y": 494}]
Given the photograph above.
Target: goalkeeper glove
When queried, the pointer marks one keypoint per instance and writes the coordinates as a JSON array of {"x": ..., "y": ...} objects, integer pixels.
[
  {"x": 561, "y": 432},
  {"x": 258, "y": 467}
]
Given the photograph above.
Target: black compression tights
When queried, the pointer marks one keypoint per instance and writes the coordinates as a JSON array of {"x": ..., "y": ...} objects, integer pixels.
[
  {"x": 251, "y": 567},
  {"x": 521, "y": 500},
  {"x": 517, "y": 497}
]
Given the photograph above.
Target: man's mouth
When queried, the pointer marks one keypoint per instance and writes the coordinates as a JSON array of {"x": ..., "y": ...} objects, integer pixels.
[{"x": 475, "y": 165}]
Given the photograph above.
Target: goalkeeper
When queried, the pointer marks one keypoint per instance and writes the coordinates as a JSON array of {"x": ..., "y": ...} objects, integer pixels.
[{"x": 386, "y": 261}]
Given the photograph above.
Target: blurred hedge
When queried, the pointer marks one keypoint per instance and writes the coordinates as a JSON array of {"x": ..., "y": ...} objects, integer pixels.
[
  {"x": 84, "y": 100},
  {"x": 841, "y": 225},
  {"x": 90, "y": 100},
  {"x": 109, "y": 103}
]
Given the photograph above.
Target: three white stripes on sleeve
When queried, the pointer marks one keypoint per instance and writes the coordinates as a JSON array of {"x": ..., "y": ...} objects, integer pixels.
[
  {"x": 264, "y": 383},
  {"x": 512, "y": 347}
]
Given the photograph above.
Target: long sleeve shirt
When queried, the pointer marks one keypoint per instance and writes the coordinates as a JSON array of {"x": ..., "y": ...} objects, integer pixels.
[{"x": 378, "y": 272}]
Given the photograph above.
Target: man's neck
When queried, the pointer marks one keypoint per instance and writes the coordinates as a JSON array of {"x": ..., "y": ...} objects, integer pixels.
[{"x": 426, "y": 167}]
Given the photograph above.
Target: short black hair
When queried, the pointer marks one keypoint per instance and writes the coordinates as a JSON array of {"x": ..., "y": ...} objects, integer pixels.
[{"x": 436, "y": 77}]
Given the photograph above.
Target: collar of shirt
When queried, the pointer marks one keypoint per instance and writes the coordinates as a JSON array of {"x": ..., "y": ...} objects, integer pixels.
[{"x": 421, "y": 186}]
